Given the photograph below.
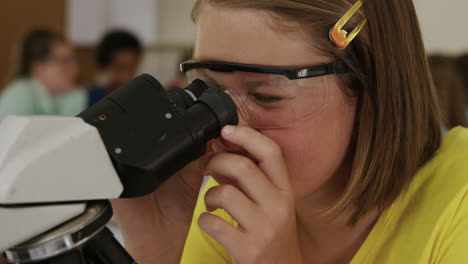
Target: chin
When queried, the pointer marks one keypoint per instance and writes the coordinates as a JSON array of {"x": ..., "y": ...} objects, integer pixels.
[
  {"x": 309, "y": 185},
  {"x": 303, "y": 189}
]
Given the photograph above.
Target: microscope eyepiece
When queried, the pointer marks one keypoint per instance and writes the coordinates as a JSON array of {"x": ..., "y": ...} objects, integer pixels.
[
  {"x": 184, "y": 98},
  {"x": 156, "y": 132}
]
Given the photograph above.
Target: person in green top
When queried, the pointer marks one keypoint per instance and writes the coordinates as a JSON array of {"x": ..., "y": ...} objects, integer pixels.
[{"x": 44, "y": 81}]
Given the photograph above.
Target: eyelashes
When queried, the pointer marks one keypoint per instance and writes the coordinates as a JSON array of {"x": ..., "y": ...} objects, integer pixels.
[{"x": 266, "y": 98}]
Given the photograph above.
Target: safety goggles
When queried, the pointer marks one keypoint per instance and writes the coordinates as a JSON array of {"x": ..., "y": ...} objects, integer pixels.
[{"x": 269, "y": 97}]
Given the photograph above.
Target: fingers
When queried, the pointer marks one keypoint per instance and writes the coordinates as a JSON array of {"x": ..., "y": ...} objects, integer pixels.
[
  {"x": 242, "y": 173},
  {"x": 255, "y": 191},
  {"x": 234, "y": 202},
  {"x": 220, "y": 230},
  {"x": 263, "y": 149}
]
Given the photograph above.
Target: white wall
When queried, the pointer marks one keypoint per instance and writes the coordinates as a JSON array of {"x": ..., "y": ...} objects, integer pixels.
[
  {"x": 175, "y": 22},
  {"x": 88, "y": 20},
  {"x": 175, "y": 29},
  {"x": 444, "y": 24}
]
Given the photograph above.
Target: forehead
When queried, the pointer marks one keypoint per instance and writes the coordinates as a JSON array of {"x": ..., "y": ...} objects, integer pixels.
[
  {"x": 125, "y": 55},
  {"x": 249, "y": 36},
  {"x": 61, "y": 48}
]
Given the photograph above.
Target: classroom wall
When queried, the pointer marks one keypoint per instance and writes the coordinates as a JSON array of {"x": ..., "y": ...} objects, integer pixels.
[{"x": 20, "y": 15}]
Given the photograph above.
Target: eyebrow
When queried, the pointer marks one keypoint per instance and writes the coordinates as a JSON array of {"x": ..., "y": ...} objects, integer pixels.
[{"x": 210, "y": 79}]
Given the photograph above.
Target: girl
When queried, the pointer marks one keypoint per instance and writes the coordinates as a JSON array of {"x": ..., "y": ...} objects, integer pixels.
[{"x": 338, "y": 157}]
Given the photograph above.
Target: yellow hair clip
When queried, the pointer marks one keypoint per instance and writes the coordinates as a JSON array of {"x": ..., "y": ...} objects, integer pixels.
[{"x": 338, "y": 35}]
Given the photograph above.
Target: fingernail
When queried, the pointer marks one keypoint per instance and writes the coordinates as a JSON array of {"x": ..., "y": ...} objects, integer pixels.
[{"x": 227, "y": 130}]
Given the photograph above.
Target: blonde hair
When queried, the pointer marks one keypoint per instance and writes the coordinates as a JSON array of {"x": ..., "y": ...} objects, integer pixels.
[{"x": 397, "y": 125}]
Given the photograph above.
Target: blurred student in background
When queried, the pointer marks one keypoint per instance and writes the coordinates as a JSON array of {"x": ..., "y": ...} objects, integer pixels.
[
  {"x": 450, "y": 90},
  {"x": 118, "y": 57},
  {"x": 44, "y": 79}
]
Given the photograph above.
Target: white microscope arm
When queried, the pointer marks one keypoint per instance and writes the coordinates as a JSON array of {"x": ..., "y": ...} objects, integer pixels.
[
  {"x": 57, "y": 173},
  {"x": 46, "y": 159}
]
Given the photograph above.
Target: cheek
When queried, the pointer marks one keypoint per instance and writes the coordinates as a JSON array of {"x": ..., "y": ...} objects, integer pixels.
[
  {"x": 56, "y": 72},
  {"x": 52, "y": 75},
  {"x": 315, "y": 150},
  {"x": 64, "y": 78},
  {"x": 73, "y": 71},
  {"x": 65, "y": 75}
]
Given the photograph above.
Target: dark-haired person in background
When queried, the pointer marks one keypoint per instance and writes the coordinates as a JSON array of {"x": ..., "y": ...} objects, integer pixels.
[
  {"x": 44, "y": 79},
  {"x": 118, "y": 56}
]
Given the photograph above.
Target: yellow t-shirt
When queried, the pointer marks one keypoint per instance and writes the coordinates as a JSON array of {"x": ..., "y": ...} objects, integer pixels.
[{"x": 426, "y": 224}]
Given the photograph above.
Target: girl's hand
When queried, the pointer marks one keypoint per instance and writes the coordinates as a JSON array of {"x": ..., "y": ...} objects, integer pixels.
[{"x": 258, "y": 195}]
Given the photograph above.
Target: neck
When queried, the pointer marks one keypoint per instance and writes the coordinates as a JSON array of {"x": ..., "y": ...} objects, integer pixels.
[
  {"x": 331, "y": 240},
  {"x": 326, "y": 239}
]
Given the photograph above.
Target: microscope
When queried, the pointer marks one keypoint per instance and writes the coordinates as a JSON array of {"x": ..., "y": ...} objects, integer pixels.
[{"x": 57, "y": 173}]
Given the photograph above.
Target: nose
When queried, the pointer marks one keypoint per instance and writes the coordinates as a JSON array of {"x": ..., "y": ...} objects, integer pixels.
[{"x": 242, "y": 119}]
